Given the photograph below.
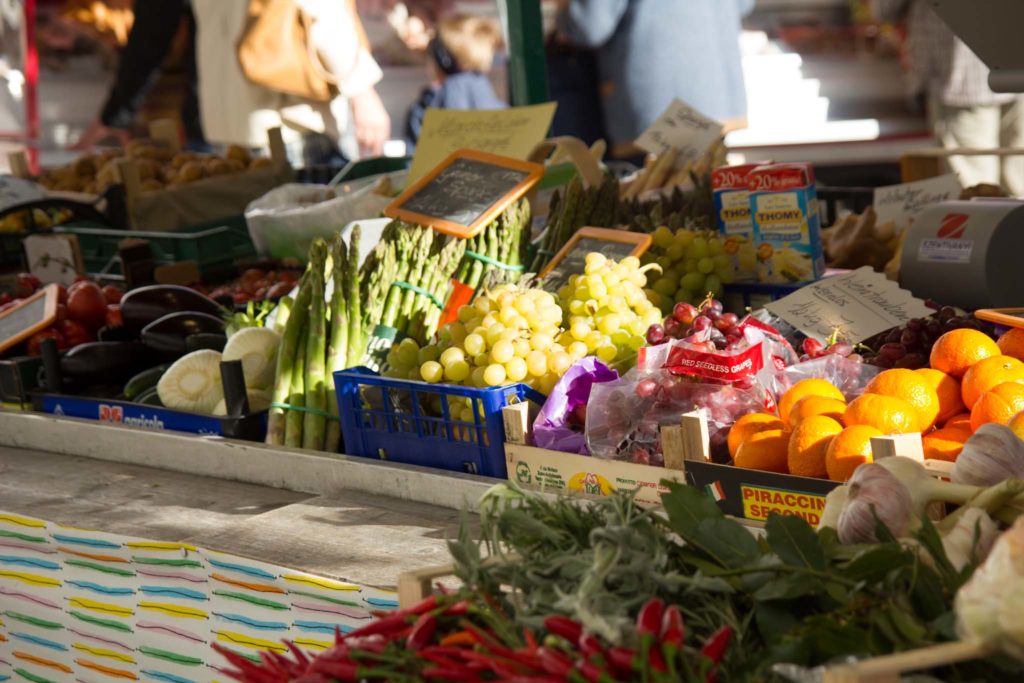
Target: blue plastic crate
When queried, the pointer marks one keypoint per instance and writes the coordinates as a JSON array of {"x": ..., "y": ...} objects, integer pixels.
[{"x": 385, "y": 418}]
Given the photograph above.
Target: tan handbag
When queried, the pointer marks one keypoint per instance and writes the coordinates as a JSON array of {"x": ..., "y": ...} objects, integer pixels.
[{"x": 275, "y": 52}]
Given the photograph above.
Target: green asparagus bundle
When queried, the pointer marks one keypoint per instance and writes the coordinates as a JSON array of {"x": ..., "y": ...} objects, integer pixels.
[
  {"x": 338, "y": 347},
  {"x": 313, "y": 420},
  {"x": 296, "y": 393},
  {"x": 356, "y": 340},
  {"x": 293, "y": 343}
]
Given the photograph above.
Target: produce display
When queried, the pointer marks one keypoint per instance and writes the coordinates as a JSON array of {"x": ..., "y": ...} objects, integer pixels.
[
  {"x": 84, "y": 309},
  {"x": 158, "y": 167},
  {"x": 255, "y": 284},
  {"x": 605, "y": 590},
  {"x": 693, "y": 263}
]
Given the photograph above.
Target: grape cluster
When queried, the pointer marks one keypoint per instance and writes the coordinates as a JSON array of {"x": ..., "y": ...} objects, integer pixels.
[
  {"x": 815, "y": 349},
  {"x": 693, "y": 262},
  {"x": 687, "y": 320},
  {"x": 506, "y": 335},
  {"x": 911, "y": 345},
  {"x": 606, "y": 309}
]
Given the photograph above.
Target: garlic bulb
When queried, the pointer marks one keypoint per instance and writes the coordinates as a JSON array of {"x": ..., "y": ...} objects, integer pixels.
[
  {"x": 874, "y": 491},
  {"x": 992, "y": 454},
  {"x": 971, "y": 538},
  {"x": 991, "y": 604},
  {"x": 834, "y": 503},
  {"x": 923, "y": 487}
]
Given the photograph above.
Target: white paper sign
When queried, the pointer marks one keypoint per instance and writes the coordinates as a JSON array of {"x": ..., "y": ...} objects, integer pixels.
[
  {"x": 860, "y": 304},
  {"x": 683, "y": 128},
  {"x": 901, "y": 203},
  {"x": 17, "y": 191}
]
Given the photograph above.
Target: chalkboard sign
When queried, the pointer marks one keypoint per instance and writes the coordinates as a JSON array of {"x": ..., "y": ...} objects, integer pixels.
[
  {"x": 30, "y": 316},
  {"x": 465, "y": 192},
  {"x": 571, "y": 259}
]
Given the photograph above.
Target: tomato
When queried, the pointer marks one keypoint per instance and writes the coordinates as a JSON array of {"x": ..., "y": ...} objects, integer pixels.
[
  {"x": 35, "y": 342},
  {"x": 279, "y": 290},
  {"x": 114, "y": 315},
  {"x": 253, "y": 274},
  {"x": 241, "y": 297},
  {"x": 75, "y": 333},
  {"x": 112, "y": 294},
  {"x": 5, "y": 298},
  {"x": 86, "y": 305},
  {"x": 28, "y": 284},
  {"x": 62, "y": 294}
]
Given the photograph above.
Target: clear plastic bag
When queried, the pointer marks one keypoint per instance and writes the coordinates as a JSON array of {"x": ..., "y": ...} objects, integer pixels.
[
  {"x": 850, "y": 377},
  {"x": 624, "y": 417},
  {"x": 559, "y": 426},
  {"x": 285, "y": 221}
]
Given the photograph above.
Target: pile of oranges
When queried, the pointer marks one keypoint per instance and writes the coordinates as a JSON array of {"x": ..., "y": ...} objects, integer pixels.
[{"x": 817, "y": 433}]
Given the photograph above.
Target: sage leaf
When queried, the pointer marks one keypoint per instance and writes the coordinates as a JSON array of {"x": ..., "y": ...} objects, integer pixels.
[
  {"x": 794, "y": 541},
  {"x": 686, "y": 507}
]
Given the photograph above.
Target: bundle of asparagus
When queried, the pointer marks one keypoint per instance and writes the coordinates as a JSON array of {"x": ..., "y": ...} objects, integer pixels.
[
  {"x": 669, "y": 170},
  {"x": 318, "y": 339}
]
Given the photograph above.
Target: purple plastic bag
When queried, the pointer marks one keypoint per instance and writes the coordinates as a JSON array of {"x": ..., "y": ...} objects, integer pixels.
[{"x": 551, "y": 429}]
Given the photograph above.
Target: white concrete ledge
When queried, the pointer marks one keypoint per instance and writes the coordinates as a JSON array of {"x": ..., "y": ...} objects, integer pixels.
[{"x": 244, "y": 461}]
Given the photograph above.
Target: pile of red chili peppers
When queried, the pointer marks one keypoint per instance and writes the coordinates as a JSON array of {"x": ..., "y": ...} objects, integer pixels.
[{"x": 446, "y": 638}]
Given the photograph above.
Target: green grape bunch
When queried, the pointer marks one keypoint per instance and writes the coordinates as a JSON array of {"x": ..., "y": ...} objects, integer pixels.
[{"x": 693, "y": 263}]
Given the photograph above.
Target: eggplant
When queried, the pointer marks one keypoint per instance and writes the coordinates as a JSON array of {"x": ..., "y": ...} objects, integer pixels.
[
  {"x": 142, "y": 306},
  {"x": 205, "y": 340},
  {"x": 106, "y": 362},
  {"x": 169, "y": 333}
]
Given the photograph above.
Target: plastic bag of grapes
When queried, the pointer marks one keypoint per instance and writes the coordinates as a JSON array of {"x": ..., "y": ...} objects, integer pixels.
[
  {"x": 625, "y": 417},
  {"x": 849, "y": 376}
]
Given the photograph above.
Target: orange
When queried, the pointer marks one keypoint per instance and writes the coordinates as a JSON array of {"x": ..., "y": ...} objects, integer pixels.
[
  {"x": 957, "y": 350},
  {"x": 999, "y": 404},
  {"x": 945, "y": 443},
  {"x": 987, "y": 373},
  {"x": 947, "y": 388},
  {"x": 889, "y": 414},
  {"x": 767, "y": 450},
  {"x": 960, "y": 421},
  {"x": 1012, "y": 343},
  {"x": 1017, "y": 425},
  {"x": 850, "y": 448},
  {"x": 807, "y": 387},
  {"x": 912, "y": 388},
  {"x": 748, "y": 425},
  {"x": 807, "y": 445},
  {"x": 816, "y": 405}
]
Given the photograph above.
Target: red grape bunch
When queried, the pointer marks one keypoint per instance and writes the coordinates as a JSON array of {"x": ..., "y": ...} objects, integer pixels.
[
  {"x": 910, "y": 346},
  {"x": 687, "y": 320}
]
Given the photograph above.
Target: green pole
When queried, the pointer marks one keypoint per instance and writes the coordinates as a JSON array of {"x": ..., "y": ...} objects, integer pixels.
[{"x": 527, "y": 67}]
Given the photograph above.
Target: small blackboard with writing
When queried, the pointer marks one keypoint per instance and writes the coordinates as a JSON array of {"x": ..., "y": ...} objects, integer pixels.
[
  {"x": 28, "y": 317},
  {"x": 465, "y": 192},
  {"x": 572, "y": 258}
]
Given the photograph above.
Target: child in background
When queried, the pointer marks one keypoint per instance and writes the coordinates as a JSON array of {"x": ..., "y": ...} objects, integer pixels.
[{"x": 461, "y": 54}]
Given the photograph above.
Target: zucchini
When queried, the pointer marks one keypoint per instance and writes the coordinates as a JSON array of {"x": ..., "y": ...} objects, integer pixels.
[
  {"x": 143, "y": 381},
  {"x": 149, "y": 397}
]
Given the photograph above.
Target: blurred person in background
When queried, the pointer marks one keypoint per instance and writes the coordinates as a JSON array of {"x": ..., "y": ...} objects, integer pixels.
[
  {"x": 650, "y": 52},
  {"x": 149, "y": 42},
  {"x": 236, "y": 111},
  {"x": 460, "y": 56},
  {"x": 951, "y": 83}
]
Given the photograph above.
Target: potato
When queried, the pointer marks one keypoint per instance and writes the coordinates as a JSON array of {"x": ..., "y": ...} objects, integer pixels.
[
  {"x": 238, "y": 153},
  {"x": 193, "y": 170},
  {"x": 235, "y": 166},
  {"x": 183, "y": 158},
  {"x": 85, "y": 166},
  {"x": 215, "y": 166}
]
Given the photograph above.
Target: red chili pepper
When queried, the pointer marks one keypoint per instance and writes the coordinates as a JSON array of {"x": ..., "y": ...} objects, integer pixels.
[
  {"x": 339, "y": 670},
  {"x": 672, "y": 630},
  {"x": 592, "y": 672},
  {"x": 387, "y": 625},
  {"x": 449, "y": 674},
  {"x": 622, "y": 658},
  {"x": 590, "y": 645},
  {"x": 648, "y": 621},
  {"x": 425, "y": 606},
  {"x": 711, "y": 676},
  {"x": 422, "y": 632},
  {"x": 458, "y": 609},
  {"x": 715, "y": 646},
  {"x": 298, "y": 653},
  {"x": 554, "y": 662},
  {"x": 458, "y": 638},
  {"x": 564, "y": 627},
  {"x": 657, "y": 661},
  {"x": 531, "y": 641}
]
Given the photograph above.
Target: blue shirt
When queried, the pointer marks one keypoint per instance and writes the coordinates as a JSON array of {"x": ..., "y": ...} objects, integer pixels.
[
  {"x": 650, "y": 52},
  {"x": 465, "y": 90}
]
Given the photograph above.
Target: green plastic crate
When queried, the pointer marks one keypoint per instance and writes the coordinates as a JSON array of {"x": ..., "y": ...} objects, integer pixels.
[{"x": 214, "y": 247}]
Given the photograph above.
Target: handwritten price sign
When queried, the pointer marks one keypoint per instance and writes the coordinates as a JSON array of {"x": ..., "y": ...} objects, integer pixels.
[
  {"x": 903, "y": 203},
  {"x": 860, "y": 304},
  {"x": 683, "y": 128}
]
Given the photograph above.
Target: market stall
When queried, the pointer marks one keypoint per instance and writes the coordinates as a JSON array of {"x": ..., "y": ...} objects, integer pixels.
[{"x": 783, "y": 421}]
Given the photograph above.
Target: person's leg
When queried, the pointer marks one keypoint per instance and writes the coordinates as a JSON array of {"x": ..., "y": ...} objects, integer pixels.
[
  {"x": 1011, "y": 134},
  {"x": 974, "y": 127}
]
